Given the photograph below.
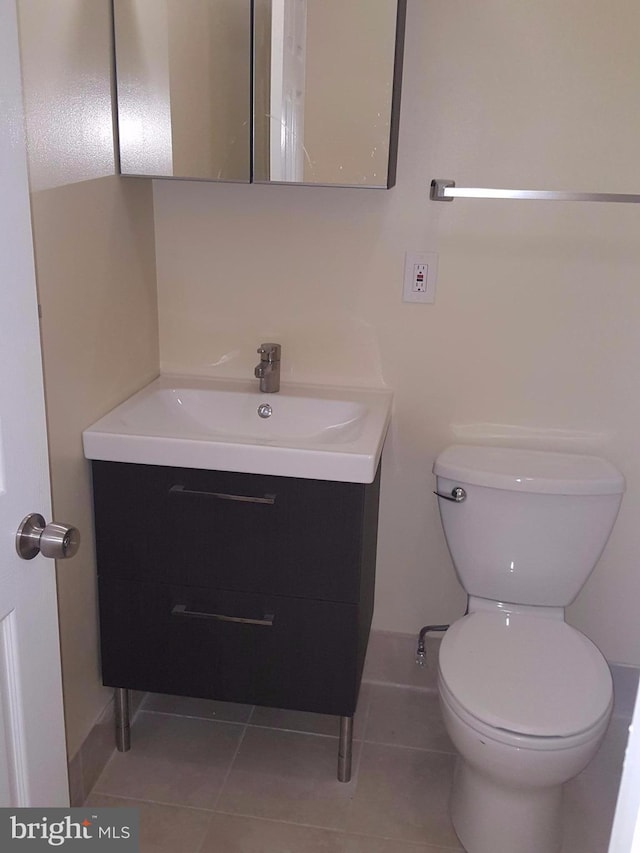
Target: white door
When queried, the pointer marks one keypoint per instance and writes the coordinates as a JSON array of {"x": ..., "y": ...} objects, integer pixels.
[
  {"x": 33, "y": 770},
  {"x": 625, "y": 835}
]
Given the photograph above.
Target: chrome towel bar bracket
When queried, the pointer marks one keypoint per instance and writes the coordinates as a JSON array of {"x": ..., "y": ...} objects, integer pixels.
[{"x": 443, "y": 189}]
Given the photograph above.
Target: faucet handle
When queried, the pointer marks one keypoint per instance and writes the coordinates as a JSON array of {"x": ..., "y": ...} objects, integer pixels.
[{"x": 269, "y": 352}]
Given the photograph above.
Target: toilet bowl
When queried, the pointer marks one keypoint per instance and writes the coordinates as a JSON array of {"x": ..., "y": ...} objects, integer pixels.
[
  {"x": 523, "y": 721},
  {"x": 525, "y": 697}
]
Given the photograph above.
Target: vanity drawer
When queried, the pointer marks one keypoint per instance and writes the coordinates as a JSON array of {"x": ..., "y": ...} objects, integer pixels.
[
  {"x": 245, "y": 532},
  {"x": 238, "y": 647}
]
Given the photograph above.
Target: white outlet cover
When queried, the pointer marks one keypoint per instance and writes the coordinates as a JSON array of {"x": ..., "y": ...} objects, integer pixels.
[{"x": 430, "y": 260}]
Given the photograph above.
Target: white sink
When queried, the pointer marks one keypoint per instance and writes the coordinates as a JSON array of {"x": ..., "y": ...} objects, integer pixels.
[{"x": 317, "y": 432}]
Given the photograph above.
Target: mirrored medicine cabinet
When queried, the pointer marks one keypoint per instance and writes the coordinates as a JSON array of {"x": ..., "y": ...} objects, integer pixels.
[{"x": 263, "y": 91}]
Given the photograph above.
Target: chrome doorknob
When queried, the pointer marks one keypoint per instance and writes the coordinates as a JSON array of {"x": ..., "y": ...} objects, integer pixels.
[{"x": 59, "y": 541}]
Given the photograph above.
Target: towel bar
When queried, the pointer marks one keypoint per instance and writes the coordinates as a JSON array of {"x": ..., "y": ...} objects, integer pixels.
[{"x": 443, "y": 189}]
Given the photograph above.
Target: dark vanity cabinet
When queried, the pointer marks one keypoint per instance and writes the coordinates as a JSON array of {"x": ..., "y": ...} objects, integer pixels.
[{"x": 237, "y": 587}]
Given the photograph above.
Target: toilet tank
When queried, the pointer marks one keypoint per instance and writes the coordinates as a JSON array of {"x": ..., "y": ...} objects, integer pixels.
[{"x": 533, "y": 524}]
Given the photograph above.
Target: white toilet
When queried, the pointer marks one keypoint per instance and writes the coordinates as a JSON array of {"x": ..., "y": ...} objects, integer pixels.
[{"x": 526, "y": 698}]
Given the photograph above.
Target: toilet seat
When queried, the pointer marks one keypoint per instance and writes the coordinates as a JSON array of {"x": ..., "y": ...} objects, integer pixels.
[
  {"x": 525, "y": 675},
  {"x": 487, "y": 733}
]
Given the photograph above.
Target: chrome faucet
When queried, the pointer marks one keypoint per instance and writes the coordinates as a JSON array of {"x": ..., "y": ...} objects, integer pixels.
[{"x": 268, "y": 371}]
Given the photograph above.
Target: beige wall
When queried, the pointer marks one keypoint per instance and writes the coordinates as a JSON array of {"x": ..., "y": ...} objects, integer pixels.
[
  {"x": 537, "y": 318},
  {"x": 93, "y": 237}
]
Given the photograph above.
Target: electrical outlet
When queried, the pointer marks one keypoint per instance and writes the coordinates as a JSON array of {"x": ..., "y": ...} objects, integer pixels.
[
  {"x": 420, "y": 270},
  {"x": 419, "y": 278}
]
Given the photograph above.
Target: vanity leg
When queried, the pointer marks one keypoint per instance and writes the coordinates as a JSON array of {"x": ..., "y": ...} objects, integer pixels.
[
  {"x": 121, "y": 705},
  {"x": 345, "y": 749}
]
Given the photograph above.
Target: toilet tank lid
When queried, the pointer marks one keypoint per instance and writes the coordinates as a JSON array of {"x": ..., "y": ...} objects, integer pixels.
[{"x": 537, "y": 471}]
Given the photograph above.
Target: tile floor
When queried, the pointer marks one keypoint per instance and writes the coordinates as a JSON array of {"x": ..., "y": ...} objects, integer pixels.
[{"x": 211, "y": 777}]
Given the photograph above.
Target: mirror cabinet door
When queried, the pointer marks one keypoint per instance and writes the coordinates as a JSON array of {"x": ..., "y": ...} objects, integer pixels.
[
  {"x": 326, "y": 89},
  {"x": 184, "y": 88}
]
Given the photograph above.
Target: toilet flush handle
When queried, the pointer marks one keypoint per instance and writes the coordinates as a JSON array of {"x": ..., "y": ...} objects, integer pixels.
[{"x": 457, "y": 495}]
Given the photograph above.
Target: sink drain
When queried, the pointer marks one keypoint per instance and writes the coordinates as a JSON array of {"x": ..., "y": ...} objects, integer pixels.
[{"x": 265, "y": 410}]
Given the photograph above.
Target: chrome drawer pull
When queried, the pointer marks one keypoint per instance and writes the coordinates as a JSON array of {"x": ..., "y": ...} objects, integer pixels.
[
  {"x": 267, "y": 499},
  {"x": 181, "y": 610}
]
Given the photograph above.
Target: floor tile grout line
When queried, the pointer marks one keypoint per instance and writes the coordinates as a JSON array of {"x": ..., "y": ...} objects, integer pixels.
[
  {"x": 162, "y": 803},
  {"x": 336, "y": 830},
  {"x": 410, "y": 746},
  {"x": 360, "y": 739},
  {"x": 245, "y": 723},
  {"x": 213, "y": 812},
  {"x": 205, "y": 835},
  {"x": 137, "y": 803},
  {"x": 194, "y": 717},
  {"x": 356, "y": 770},
  {"x": 230, "y": 768},
  {"x": 401, "y": 685},
  {"x": 366, "y": 714}
]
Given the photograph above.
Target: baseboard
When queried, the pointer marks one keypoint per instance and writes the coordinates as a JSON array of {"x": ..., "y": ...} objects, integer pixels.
[
  {"x": 90, "y": 760},
  {"x": 625, "y": 688}
]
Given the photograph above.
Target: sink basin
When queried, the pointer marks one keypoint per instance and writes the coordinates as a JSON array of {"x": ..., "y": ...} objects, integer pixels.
[{"x": 317, "y": 432}]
